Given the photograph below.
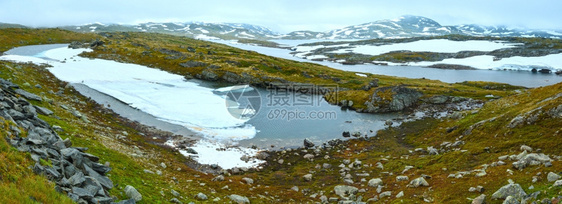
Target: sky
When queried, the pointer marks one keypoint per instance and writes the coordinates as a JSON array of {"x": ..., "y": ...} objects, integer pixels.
[{"x": 283, "y": 16}]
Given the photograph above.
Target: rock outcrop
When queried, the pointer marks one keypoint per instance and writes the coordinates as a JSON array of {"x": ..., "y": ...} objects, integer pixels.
[{"x": 392, "y": 99}]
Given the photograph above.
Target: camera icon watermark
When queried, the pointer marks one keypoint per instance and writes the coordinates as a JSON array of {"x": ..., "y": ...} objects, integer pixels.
[{"x": 243, "y": 102}]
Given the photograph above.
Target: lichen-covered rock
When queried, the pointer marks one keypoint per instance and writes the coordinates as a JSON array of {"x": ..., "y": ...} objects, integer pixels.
[
  {"x": 552, "y": 177},
  {"x": 190, "y": 64},
  {"x": 375, "y": 182},
  {"x": 481, "y": 199},
  {"x": 511, "y": 200},
  {"x": 132, "y": 193},
  {"x": 208, "y": 75},
  {"x": 418, "y": 182},
  {"x": 392, "y": 99},
  {"x": 239, "y": 199},
  {"x": 514, "y": 190},
  {"x": 345, "y": 191}
]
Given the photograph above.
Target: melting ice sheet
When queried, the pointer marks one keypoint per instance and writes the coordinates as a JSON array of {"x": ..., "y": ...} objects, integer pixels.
[{"x": 168, "y": 97}]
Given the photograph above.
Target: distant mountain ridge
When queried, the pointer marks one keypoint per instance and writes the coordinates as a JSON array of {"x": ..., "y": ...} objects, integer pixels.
[
  {"x": 190, "y": 29},
  {"x": 402, "y": 27},
  {"x": 417, "y": 26}
]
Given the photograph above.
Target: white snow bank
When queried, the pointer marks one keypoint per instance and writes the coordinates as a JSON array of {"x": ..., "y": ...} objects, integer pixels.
[
  {"x": 18, "y": 58},
  {"x": 436, "y": 45},
  {"x": 226, "y": 158},
  {"x": 512, "y": 63}
]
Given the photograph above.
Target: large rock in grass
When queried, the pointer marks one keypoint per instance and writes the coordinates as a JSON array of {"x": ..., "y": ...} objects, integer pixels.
[
  {"x": 392, "y": 99},
  {"x": 345, "y": 191},
  {"x": 514, "y": 190},
  {"x": 375, "y": 182},
  {"x": 552, "y": 177},
  {"x": 238, "y": 199},
  {"x": 133, "y": 193},
  {"x": 418, "y": 182},
  {"x": 190, "y": 64}
]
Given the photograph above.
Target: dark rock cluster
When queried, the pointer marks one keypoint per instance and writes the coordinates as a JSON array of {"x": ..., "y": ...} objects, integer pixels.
[
  {"x": 391, "y": 99},
  {"x": 75, "y": 172}
]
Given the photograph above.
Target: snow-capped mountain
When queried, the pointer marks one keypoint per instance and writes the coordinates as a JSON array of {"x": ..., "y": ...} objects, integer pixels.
[
  {"x": 190, "y": 29},
  {"x": 417, "y": 26},
  {"x": 403, "y": 27}
]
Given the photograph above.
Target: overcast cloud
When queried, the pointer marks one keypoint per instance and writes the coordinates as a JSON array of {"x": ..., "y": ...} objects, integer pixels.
[{"x": 282, "y": 16}]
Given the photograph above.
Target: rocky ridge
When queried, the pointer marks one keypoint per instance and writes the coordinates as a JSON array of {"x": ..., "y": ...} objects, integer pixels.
[{"x": 75, "y": 172}]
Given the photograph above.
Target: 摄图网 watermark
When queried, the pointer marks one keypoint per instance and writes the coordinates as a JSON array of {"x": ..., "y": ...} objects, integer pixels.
[{"x": 281, "y": 102}]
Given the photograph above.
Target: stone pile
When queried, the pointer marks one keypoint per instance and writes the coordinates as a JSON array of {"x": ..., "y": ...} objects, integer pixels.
[{"x": 75, "y": 172}]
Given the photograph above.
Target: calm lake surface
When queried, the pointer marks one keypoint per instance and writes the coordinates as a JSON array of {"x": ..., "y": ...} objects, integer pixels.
[{"x": 519, "y": 78}]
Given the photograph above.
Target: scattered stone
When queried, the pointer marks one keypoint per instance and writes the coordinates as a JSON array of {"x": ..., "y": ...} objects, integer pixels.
[
  {"x": 163, "y": 165},
  {"x": 326, "y": 166},
  {"x": 526, "y": 148},
  {"x": 262, "y": 156},
  {"x": 295, "y": 188},
  {"x": 432, "y": 151},
  {"x": 175, "y": 200},
  {"x": 175, "y": 193},
  {"x": 400, "y": 194},
  {"x": 511, "y": 189},
  {"x": 132, "y": 193},
  {"x": 552, "y": 177},
  {"x": 82, "y": 193},
  {"x": 248, "y": 181},
  {"x": 308, "y": 177},
  {"x": 481, "y": 199},
  {"x": 524, "y": 159},
  {"x": 402, "y": 178},
  {"x": 346, "y": 134},
  {"x": 379, "y": 165},
  {"x": 418, "y": 182},
  {"x": 345, "y": 191},
  {"x": 27, "y": 95},
  {"x": 308, "y": 143},
  {"x": 323, "y": 199},
  {"x": 511, "y": 200},
  {"x": 480, "y": 189},
  {"x": 218, "y": 178},
  {"x": 239, "y": 199},
  {"x": 375, "y": 182},
  {"x": 201, "y": 196},
  {"x": 385, "y": 194},
  {"x": 388, "y": 123},
  {"x": 557, "y": 183},
  {"x": 43, "y": 111},
  {"x": 309, "y": 157}
]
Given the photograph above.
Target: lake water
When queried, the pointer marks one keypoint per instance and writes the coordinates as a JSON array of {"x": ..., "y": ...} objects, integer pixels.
[{"x": 519, "y": 78}]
